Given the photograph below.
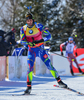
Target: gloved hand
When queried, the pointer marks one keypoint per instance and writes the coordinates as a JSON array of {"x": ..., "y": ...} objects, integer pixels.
[
  {"x": 62, "y": 53},
  {"x": 35, "y": 42},
  {"x": 31, "y": 44},
  {"x": 76, "y": 54}
]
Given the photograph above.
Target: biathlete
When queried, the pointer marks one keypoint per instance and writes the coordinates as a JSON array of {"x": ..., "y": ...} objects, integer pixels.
[
  {"x": 31, "y": 35},
  {"x": 70, "y": 49}
]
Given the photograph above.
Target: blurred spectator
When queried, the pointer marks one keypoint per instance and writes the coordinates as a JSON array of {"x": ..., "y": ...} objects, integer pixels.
[
  {"x": 3, "y": 45},
  {"x": 10, "y": 39}
]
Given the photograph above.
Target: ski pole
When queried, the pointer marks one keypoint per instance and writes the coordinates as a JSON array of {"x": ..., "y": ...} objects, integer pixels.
[
  {"x": 56, "y": 54},
  {"x": 52, "y": 52}
]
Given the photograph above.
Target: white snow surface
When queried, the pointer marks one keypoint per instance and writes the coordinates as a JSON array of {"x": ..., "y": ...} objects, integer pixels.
[{"x": 42, "y": 88}]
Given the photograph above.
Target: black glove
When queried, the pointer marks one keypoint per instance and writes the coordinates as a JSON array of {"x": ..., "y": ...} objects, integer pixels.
[
  {"x": 62, "y": 53},
  {"x": 76, "y": 54},
  {"x": 31, "y": 44},
  {"x": 35, "y": 42}
]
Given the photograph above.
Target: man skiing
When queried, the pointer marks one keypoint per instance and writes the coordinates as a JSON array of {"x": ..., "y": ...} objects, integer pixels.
[
  {"x": 70, "y": 48},
  {"x": 31, "y": 35}
]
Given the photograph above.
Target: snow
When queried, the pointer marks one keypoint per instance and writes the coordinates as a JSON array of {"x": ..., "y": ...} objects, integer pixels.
[{"x": 42, "y": 88}]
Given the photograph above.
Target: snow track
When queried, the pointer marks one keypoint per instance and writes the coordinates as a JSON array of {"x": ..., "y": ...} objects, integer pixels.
[{"x": 42, "y": 88}]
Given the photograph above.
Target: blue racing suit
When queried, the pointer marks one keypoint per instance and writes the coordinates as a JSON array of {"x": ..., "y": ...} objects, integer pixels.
[{"x": 34, "y": 33}]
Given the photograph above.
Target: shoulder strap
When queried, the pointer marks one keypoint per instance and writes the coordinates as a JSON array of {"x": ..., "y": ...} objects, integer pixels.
[
  {"x": 25, "y": 28},
  {"x": 37, "y": 27}
]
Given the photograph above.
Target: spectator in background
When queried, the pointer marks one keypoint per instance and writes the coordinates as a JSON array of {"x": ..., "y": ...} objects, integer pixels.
[
  {"x": 10, "y": 36},
  {"x": 3, "y": 44},
  {"x": 10, "y": 39}
]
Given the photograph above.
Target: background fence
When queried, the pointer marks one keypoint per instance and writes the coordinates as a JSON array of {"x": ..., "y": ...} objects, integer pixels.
[{"x": 16, "y": 67}]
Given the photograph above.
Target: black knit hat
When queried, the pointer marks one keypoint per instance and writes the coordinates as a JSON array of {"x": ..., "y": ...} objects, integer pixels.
[{"x": 29, "y": 16}]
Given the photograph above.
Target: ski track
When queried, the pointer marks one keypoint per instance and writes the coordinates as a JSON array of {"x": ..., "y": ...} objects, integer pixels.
[{"x": 42, "y": 89}]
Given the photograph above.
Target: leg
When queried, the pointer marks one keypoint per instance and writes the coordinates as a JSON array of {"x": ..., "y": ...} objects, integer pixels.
[
  {"x": 77, "y": 65},
  {"x": 70, "y": 59},
  {"x": 46, "y": 60},
  {"x": 30, "y": 61}
]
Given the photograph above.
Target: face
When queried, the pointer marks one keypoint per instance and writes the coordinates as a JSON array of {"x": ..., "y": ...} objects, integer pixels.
[
  {"x": 30, "y": 22},
  {"x": 70, "y": 41}
]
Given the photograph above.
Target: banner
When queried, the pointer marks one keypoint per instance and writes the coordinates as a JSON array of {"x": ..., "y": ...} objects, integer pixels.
[
  {"x": 2, "y": 67},
  {"x": 61, "y": 64},
  {"x": 80, "y": 60}
]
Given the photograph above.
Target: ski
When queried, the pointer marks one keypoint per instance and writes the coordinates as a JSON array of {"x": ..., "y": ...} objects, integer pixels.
[
  {"x": 70, "y": 90},
  {"x": 22, "y": 94},
  {"x": 80, "y": 75}
]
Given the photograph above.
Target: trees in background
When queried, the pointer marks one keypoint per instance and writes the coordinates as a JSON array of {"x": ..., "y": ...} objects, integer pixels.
[
  {"x": 13, "y": 13},
  {"x": 8, "y": 13},
  {"x": 73, "y": 16},
  {"x": 64, "y": 18}
]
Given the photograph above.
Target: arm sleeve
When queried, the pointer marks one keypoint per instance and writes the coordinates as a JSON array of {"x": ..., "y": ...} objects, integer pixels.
[
  {"x": 22, "y": 37},
  {"x": 45, "y": 32},
  {"x": 75, "y": 47},
  {"x": 61, "y": 46}
]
